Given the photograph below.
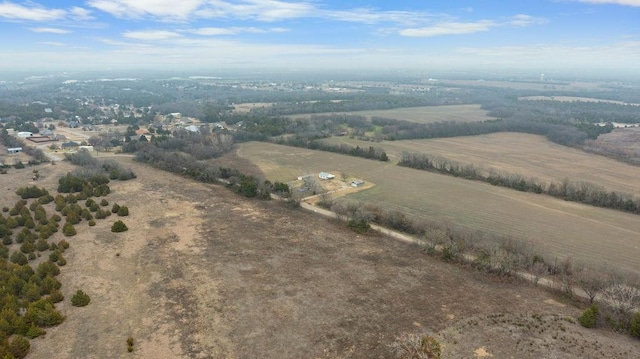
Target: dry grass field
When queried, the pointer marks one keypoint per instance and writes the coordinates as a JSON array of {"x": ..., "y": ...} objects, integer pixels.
[
  {"x": 558, "y": 227},
  {"x": 204, "y": 273},
  {"x": 425, "y": 114},
  {"x": 248, "y": 106},
  {"x": 530, "y": 156},
  {"x": 625, "y": 140}
]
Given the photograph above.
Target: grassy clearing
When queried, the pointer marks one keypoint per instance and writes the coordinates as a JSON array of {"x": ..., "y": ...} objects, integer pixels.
[
  {"x": 527, "y": 155},
  {"x": 558, "y": 227},
  {"x": 425, "y": 114},
  {"x": 248, "y": 106}
]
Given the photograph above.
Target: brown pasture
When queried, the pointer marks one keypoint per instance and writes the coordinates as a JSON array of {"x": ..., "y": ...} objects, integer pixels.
[
  {"x": 529, "y": 156},
  {"x": 204, "y": 273},
  {"x": 557, "y": 227},
  {"x": 424, "y": 114}
]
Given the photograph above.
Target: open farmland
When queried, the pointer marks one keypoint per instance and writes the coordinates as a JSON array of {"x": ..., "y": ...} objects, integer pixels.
[
  {"x": 530, "y": 156},
  {"x": 560, "y": 228},
  {"x": 204, "y": 273},
  {"x": 424, "y": 114}
]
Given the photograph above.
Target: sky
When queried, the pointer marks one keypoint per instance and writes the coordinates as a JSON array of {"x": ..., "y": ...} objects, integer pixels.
[{"x": 544, "y": 35}]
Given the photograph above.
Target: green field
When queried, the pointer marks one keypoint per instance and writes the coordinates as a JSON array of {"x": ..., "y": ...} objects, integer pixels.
[
  {"x": 425, "y": 114},
  {"x": 530, "y": 156},
  {"x": 560, "y": 228}
]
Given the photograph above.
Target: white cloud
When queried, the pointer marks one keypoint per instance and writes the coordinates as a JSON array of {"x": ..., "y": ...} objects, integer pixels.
[
  {"x": 634, "y": 3},
  {"x": 372, "y": 16},
  {"x": 80, "y": 14},
  {"x": 151, "y": 35},
  {"x": 217, "y": 31},
  {"x": 522, "y": 20},
  {"x": 261, "y": 10},
  {"x": 31, "y": 12},
  {"x": 449, "y": 28},
  {"x": 50, "y": 30},
  {"x": 52, "y": 43},
  {"x": 170, "y": 9}
]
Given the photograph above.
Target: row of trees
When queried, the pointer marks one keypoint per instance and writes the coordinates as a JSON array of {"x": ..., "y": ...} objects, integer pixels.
[
  {"x": 583, "y": 192},
  {"x": 187, "y": 165},
  {"x": 372, "y": 153}
]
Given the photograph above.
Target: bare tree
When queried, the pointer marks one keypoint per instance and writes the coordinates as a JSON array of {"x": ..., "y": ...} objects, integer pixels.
[
  {"x": 538, "y": 269},
  {"x": 592, "y": 281},
  {"x": 621, "y": 297}
]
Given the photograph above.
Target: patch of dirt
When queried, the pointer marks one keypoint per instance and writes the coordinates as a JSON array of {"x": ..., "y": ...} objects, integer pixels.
[{"x": 204, "y": 273}]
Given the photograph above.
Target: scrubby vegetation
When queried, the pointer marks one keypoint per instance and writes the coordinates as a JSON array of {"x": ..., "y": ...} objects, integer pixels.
[
  {"x": 118, "y": 227},
  {"x": 416, "y": 346},
  {"x": 589, "y": 318},
  {"x": 91, "y": 167},
  {"x": 80, "y": 299},
  {"x": 30, "y": 292}
]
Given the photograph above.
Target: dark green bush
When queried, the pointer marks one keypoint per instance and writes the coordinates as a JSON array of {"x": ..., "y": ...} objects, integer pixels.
[
  {"x": 589, "y": 318},
  {"x": 69, "y": 230},
  {"x": 80, "y": 299},
  {"x": 119, "y": 226},
  {"x": 635, "y": 325},
  {"x": 19, "y": 346},
  {"x": 123, "y": 211}
]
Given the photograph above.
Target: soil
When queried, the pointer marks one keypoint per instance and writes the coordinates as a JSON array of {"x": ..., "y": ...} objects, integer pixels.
[{"x": 205, "y": 273}]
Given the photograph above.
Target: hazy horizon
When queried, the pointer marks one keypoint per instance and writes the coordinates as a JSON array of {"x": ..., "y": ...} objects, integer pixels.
[{"x": 548, "y": 36}]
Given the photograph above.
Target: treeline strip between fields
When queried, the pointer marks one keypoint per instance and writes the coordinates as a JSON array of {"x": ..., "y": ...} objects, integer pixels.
[{"x": 582, "y": 192}]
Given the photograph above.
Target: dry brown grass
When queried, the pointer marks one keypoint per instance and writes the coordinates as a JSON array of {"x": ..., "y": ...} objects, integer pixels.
[
  {"x": 529, "y": 156},
  {"x": 425, "y": 114},
  {"x": 558, "y": 227},
  {"x": 203, "y": 273}
]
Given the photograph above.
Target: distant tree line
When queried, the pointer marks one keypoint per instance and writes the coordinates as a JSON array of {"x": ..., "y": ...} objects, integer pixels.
[
  {"x": 403, "y": 130},
  {"x": 582, "y": 192},
  {"x": 372, "y": 153}
]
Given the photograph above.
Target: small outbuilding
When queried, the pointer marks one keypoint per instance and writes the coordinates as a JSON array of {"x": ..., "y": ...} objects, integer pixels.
[{"x": 326, "y": 176}]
